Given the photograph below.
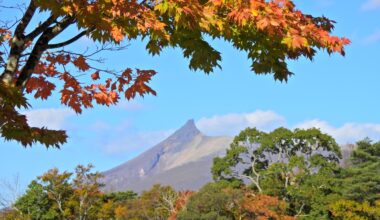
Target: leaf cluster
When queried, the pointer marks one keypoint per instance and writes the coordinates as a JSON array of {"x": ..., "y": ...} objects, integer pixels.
[{"x": 270, "y": 32}]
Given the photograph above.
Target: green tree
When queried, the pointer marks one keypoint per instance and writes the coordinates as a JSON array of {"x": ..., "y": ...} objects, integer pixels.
[
  {"x": 120, "y": 196},
  {"x": 361, "y": 180},
  {"x": 211, "y": 202},
  {"x": 35, "y": 203},
  {"x": 292, "y": 165}
]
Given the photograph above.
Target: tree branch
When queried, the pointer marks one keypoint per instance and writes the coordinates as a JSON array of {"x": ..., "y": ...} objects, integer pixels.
[
  {"x": 17, "y": 47},
  {"x": 70, "y": 41},
  {"x": 40, "y": 47},
  {"x": 20, "y": 29},
  {"x": 41, "y": 28},
  {"x": 257, "y": 184}
]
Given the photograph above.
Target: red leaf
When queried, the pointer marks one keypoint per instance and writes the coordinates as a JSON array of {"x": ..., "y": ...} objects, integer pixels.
[
  {"x": 81, "y": 63},
  {"x": 95, "y": 76}
]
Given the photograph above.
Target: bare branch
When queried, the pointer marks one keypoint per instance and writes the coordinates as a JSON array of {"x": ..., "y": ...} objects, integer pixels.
[
  {"x": 10, "y": 192},
  {"x": 19, "y": 7},
  {"x": 70, "y": 41},
  {"x": 9, "y": 24},
  {"x": 88, "y": 55}
]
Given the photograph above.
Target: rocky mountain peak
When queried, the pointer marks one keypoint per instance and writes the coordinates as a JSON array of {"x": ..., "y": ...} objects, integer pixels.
[
  {"x": 187, "y": 131},
  {"x": 183, "y": 160}
]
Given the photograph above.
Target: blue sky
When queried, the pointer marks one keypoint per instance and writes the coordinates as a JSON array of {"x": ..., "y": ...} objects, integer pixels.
[{"x": 337, "y": 94}]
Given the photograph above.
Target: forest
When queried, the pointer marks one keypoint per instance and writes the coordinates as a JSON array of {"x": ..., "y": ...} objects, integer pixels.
[{"x": 283, "y": 174}]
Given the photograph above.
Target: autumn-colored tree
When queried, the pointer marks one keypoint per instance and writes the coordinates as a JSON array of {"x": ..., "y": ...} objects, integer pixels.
[
  {"x": 63, "y": 195},
  {"x": 221, "y": 201},
  {"x": 85, "y": 200},
  {"x": 180, "y": 203},
  {"x": 10, "y": 214},
  {"x": 57, "y": 187},
  {"x": 156, "y": 203},
  {"x": 111, "y": 205},
  {"x": 348, "y": 209},
  {"x": 262, "y": 207},
  {"x": 270, "y": 32},
  {"x": 213, "y": 201}
]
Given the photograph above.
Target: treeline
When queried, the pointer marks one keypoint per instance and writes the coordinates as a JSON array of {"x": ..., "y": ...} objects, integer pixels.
[{"x": 284, "y": 174}]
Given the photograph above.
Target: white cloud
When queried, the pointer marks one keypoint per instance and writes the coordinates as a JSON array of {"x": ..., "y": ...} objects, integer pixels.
[
  {"x": 347, "y": 133},
  {"x": 231, "y": 124},
  {"x": 371, "y": 5},
  {"x": 372, "y": 38},
  {"x": 124, "y": 139},
  {"x": 52, "y": 118}
]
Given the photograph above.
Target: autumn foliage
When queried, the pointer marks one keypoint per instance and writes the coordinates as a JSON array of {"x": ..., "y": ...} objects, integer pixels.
[
  {"x": 270, "y": 32},
  {"x": 180, "y": 203},
  {"x": 350, "y": 192},
  {"x": 263, "y": 207}
]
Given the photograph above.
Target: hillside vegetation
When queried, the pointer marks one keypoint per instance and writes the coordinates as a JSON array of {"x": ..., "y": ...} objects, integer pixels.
[{"x": 283, "y": 174}]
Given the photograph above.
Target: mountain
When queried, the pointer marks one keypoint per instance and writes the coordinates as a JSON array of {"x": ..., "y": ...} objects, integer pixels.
[{"x": 183, "y": 161}]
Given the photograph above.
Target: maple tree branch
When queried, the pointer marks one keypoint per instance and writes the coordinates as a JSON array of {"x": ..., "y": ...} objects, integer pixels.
[
  {"x": 19, "y": 31},
  {"x": 86, "y": 54},
  {"x": 40, "y": 47},
  {"x": 41, "y": 28},
  {"x": 300, "y": 210},
  {"x": 17, "y": 46},
  {"x": 8, "y": 25},
  {"x": 20, "y": 7},
  {"x": 70, "y": 41}
]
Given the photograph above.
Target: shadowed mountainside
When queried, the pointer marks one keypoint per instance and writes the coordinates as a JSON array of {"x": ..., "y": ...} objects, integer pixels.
[{"x": 183, "y": 161}]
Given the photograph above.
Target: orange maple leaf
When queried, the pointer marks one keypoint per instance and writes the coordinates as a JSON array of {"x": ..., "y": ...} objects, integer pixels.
[
  {"x": 95, "y": 76},
  {"x": 81, "y": 63}
]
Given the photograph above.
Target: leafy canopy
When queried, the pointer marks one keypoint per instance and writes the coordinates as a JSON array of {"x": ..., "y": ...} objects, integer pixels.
[
  {"x": 63, "y": 195},
  {"x": 361, "y": 180},
  {"x": 297, "y": 166},
  {"x": 270, "y": 32}
]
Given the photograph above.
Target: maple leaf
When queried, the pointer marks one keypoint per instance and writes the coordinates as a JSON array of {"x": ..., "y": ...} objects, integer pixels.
[
  {"x": 275, "y": 28},
  {"x": 95, "y": 76},
  {"x": 81, "y": 63},
  {"x": 42, "y": 87},
  {"x": 117, "y": 34}
]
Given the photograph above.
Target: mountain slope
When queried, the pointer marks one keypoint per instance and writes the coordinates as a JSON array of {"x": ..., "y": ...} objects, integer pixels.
[{"x": 183, "y": 161}]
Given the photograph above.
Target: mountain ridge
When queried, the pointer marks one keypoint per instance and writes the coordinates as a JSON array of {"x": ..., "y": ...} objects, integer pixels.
[{"x": 187, "y": 150}]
